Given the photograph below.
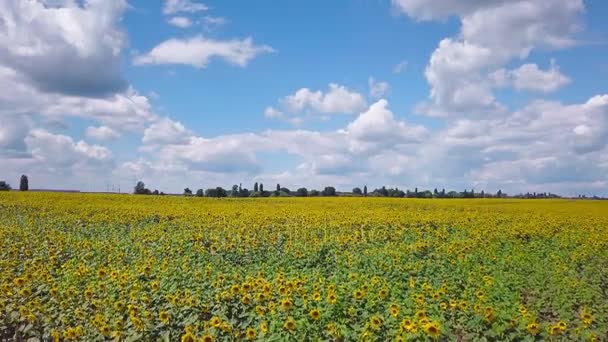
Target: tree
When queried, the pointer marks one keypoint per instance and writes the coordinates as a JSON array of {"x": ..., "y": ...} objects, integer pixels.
[
  {"x": 357, "y": 191},
  {"x": 314, "y": 193},
  {"x": 24, "y": 184},
  {"x": 365, "y": 190},
  {"x": 499, "y": 193},
  {"x": 261, "y": 188},
  {"x": 4, "y": 186},
  {"x": 200, "y": 193},
  {"x": 217, "y": 192},
  {"x": 329, "y": 191},
  {"x": 278, "y": 187},
  {"x": 302, "y": 192},
  {"x": 435, "y": 193},
  {"x": 443, "y": 192},
  {"x": 255, "y": 187},
  {"x": 155, "y": 192},
  {"x": 187, "y": 192},
  {"x": 235, "y": 191},
  {"x": 140, "y": 189}
]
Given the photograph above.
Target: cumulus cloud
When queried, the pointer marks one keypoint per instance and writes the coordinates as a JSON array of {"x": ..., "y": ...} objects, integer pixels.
[
  {"x": 378, "y": 124},
  {"x": 377, "y": 89},
  {"x": 492, "y": 34},
  {"x": 337, "y": 99},
  {"x": 273, "y": 113},
  {"x": 181, "y": 22},
  {"x": 531, "y": 77},
  {"x": 198, "y": 51},
  {"x": 166, "y": 131},
  {"x": 102, "y": 133},
  {"x": 61, "y": 151},
  {"x": 183, "y": 6},
  {"x": 70, "y": 49}
]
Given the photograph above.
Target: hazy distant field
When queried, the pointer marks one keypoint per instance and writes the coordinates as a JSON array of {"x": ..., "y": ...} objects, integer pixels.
[{"x": 95, "y": 267}]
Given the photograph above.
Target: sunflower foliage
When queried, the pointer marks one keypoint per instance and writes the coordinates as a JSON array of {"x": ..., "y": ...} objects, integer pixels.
[{"x": 94, "y": 267}]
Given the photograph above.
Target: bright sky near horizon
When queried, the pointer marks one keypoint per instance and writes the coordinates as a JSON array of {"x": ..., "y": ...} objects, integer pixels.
[{"x": 483, "y": 94}]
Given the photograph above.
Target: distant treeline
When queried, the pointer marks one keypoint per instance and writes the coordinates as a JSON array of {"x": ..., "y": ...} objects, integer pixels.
[{"x": 329, "y": 191}]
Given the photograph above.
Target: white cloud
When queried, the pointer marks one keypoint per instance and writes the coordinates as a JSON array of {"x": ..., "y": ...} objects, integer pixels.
[
  {"x": 400, "y": 67},
  {"x": 187, "y": 6},
  {"x": 73, "y": 49},
  {"x": 166, "y": 131},
  {"x": 378, "y": 127},
  {"x": 273, "y": 113},
  {"x": 530, "y": 77},
  {"x": 102, "y": 133},
  {"x": 181, "y": 22},
  {"x": 198, "y": 51},
  {"x": 377, "y": 89},
  {"x": 211, "y": 22},
  {"x": 61, "y": 152},
  {"x": 337, "y": 99},
  {"x": 492, "y": 34}
]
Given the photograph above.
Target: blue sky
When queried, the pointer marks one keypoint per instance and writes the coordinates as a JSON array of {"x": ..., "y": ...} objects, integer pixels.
[{"x": 488, "y": 95}]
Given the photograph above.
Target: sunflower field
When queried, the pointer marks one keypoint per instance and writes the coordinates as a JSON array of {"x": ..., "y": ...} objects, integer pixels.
[{"x": 90, "y": 267}]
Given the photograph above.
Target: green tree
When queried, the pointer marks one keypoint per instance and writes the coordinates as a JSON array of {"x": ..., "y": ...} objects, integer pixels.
[
  {"x": 357, "y": 191},
  {"x": 24, "y": 183},
  {"x": 329, "y": 191},
  {"x": 4, "y": 186}
]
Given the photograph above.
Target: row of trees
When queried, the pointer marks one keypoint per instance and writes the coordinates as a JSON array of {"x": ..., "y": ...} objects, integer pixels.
[
  {"x": 396, "y": 192},
  {"x": 23, "y": 184},
  {"x": 258, "y": 191}
]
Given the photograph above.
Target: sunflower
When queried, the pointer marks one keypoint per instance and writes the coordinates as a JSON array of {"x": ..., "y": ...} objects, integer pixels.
[
  {"x": 489, "y": 314},
  {"x": 555, "y": 330},
  {"x": 207, "y": 338},
  {"x": 383, "y": 293},
  {"x": 286, "y": 304},
  {"x": 480, "y": 294},
  {"x": 264, "y": 327},
  {"x": 246, "y": 299},
  {"x": 358, "y": 294},
  {"x": 420, "y": 315},
  {"x": 408, "y": 325},
  {"x": 163, "y": 316},
  {"x": 290, "y": 324},
  {"x": 315, "y": 314},
  {"x": 188, "y": 337},
  {"x": 216, "y": 322},
  {"x": 316, "y": 296},
  {"x": 533, "y": 328},
  {"x": 119, "y": 306},
  {"x": 562, "y": 325},
  {"x": 375, "y": 322},
  {"x": 235, "y": 289},
  {"x": 394, "y": 310},
  {"x": 332, "y": 298},
  {"x": 443, "y": 306},
  {"x": 432, "y": 329},
  {"x": 251, "y": 334},
  {"x": 587, "y": 318}
]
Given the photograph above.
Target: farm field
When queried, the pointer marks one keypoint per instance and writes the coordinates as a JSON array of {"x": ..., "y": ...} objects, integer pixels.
[{"x": 123, "y": 267}]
